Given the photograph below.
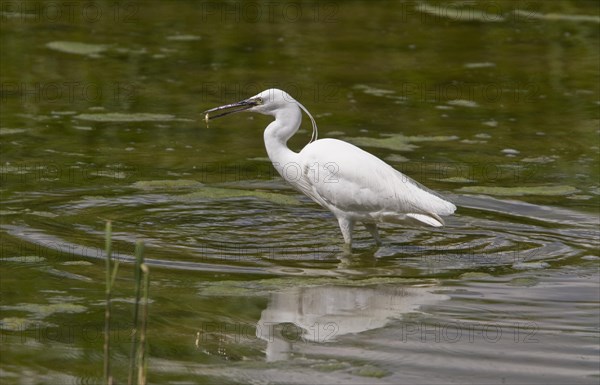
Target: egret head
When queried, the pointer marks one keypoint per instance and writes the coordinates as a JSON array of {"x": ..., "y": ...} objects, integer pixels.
[{"x": 267, "y": 102}]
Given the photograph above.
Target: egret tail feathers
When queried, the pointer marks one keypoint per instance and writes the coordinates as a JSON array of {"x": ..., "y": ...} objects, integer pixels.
[
  {"x": 426, "y": 200},
  {"x": 428, "y": 219}
]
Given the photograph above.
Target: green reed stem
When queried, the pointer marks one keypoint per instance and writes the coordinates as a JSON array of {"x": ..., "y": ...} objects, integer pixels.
[
  {"x": 142, "y": 364},
  {"x": 108, "y": 252},
  {"x": 139, "y": 259}
]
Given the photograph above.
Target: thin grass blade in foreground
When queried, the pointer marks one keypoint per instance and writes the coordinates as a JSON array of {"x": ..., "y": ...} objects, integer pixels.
[
  {"x": 139, "y": 259},
  {"x": 142, "y": 364},
  {"x": 110, "y": 280}
]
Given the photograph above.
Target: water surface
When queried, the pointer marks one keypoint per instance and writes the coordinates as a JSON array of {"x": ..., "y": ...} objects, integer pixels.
[{"x": 494, "y": 105}]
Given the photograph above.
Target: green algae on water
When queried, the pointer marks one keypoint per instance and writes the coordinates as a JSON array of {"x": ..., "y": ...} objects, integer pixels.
[
  {"x": 167, "y": 184},
  {"x": 39, "y": 311},
  {"x": 556, "y": 16},
  {"x": 77, "y": 263},
  {"x": 184, "y": 37},
  {"x": 399, "y": 142},
  {"x": 24, "y": 259},
  {"x": 474, "y": 275},
  {"x": 330, "y": 366},
  {"x": 459, "y": 14},
  {"x": 16, "y": 324},
  {"x": 523, "y": 281},
  {"x": 11, "y": 131},
  {"x": 222, "y": 193},
  {"x": 77, "y": 48},
  {"x": 370, "y": 371},
  {"x": 454, "y": 179}
]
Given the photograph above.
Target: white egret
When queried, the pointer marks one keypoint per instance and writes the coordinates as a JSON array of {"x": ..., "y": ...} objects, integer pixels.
[{"x": 353, "y": 184}]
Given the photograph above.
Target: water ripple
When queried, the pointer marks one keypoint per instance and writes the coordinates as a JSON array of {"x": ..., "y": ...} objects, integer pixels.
[{"x": 252, "y": 235}]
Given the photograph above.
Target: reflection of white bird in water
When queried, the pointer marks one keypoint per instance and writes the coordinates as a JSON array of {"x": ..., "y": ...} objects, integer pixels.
[
  {"x": 324, "y": 313},
  {"x": 353, "y": 184}
]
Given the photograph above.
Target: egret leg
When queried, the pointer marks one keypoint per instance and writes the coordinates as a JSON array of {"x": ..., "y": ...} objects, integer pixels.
[
  {"x": 346, "y": 225},
  {"x": 372, "y": 228}
]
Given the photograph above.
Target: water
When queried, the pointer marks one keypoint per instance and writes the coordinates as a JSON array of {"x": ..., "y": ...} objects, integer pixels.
[{"x": 495, "y": 105}]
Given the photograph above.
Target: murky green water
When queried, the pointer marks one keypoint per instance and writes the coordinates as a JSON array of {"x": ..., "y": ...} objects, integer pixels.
[{"x": 494, "y": 104}]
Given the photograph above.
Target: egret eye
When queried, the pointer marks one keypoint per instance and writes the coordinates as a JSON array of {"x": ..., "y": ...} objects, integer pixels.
[{"x": 259, "y": 100}]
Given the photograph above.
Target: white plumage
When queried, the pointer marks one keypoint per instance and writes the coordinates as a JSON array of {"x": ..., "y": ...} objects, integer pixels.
[{"x": 353, "y": 184}]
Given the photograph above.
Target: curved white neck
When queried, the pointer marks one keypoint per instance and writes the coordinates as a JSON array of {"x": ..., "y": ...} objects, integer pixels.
[{"x": 286, "y": 123}]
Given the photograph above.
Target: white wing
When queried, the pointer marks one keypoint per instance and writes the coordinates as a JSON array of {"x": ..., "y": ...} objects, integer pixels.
[{"x": 344, "y": 178}]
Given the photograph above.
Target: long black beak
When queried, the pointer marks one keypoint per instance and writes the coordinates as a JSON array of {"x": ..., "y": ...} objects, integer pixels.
[{"x": 231, "y": 108}]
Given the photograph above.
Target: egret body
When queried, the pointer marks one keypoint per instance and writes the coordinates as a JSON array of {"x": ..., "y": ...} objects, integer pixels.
[{"x": 354, "y": 185}]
